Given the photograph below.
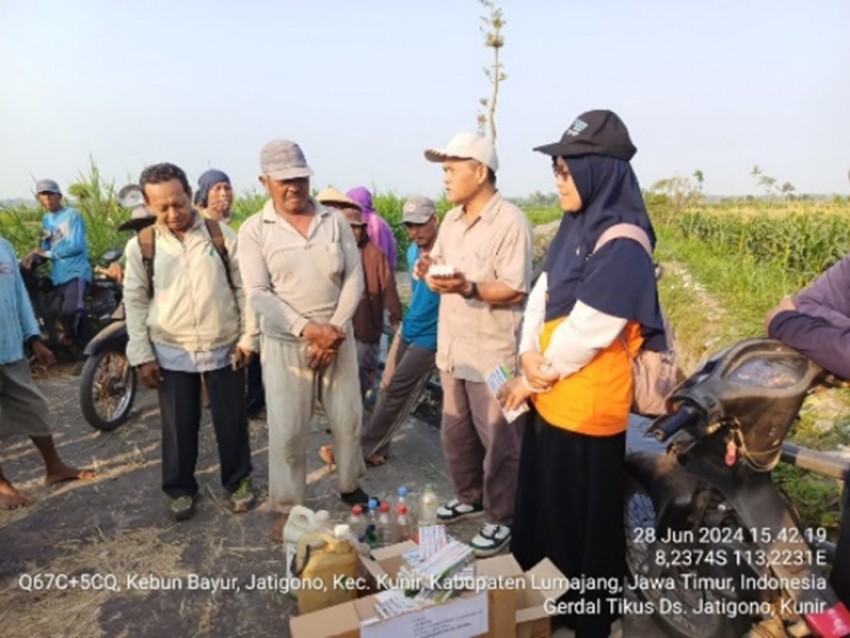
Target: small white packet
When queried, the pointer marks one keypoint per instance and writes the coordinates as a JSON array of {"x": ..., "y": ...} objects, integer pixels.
[{"x": 495, "y": 380}]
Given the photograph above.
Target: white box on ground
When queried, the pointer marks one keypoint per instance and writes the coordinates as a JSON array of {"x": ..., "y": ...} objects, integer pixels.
[
  {"x": 460, "y": 618},
  {"x": 514, "y": 603}
]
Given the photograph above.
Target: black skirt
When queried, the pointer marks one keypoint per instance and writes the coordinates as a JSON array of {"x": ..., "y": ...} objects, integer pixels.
[{"x": 569, "y": 508}]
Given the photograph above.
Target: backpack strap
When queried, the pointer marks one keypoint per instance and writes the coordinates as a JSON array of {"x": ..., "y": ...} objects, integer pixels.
[
  {"x": 217, "y": 237},
  {"x": 638, "y": 234},
  {"x": 147, "y": 242},
  {"x": 629, "y": 231}
]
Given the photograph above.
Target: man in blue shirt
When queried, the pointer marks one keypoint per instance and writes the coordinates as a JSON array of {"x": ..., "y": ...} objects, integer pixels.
[
  {"x": 64, "y": 244},
  {"x": 23, "y": 409},
  {"x": 411, "y": 359}
]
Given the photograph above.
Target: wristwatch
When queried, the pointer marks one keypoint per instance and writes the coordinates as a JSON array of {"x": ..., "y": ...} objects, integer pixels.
[{"x": 473, "y": 291}]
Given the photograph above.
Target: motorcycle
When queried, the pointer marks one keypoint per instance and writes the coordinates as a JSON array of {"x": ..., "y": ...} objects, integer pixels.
[
  {"x": 108, "y": 381},
  {"x": 103, "y": 297},
  {"x": 713, "y": 547}
]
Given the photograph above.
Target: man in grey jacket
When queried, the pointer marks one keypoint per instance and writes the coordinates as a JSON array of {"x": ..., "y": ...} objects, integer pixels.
[{"x": 186, "y": 320}]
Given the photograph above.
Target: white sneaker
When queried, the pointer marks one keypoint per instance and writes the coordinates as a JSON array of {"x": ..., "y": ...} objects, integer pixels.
[
  {"x": 490, "y": 540},
  {"x": 454, "y": 511}
]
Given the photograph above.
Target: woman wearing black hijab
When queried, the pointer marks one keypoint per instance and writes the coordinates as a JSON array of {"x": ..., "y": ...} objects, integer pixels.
[{"x": 589, "y": 313}]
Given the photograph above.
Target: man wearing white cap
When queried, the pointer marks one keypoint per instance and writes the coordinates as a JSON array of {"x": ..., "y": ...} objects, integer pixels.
[
  {"x": 486, "y": 241},
  {"x": 303, "y": 277}
]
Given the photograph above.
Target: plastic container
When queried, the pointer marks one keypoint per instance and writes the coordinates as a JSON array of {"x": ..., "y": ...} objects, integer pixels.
[
  {"x": 385, "y": 527},
  {"x": 371, "y": 537},
  {"x": 302, "y": 521},
  {"x": 428, "y": 504},
  {"x": 321, "y": 559},
  {"x": 402, "y": 496},
  {"x": 357, "y": 523},
  {"x": 403, "y": 524}
]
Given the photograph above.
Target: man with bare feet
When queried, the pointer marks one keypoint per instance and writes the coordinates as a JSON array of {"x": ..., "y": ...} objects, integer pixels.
[{"x": 23, "y": 409}]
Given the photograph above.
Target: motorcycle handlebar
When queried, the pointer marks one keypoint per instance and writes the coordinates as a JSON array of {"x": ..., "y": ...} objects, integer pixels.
[{"x": 670, "y": 424}]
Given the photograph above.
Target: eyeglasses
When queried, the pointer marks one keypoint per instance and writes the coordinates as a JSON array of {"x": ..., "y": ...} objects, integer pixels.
[{"x": 560, "y": 170}]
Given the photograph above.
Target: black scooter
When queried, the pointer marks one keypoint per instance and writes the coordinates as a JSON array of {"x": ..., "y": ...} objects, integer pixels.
[{"x": 713, "y": 547}]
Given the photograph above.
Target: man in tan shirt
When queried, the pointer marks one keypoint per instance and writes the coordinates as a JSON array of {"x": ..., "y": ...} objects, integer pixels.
[
  {"x": 302, "y": 275},
  {"x": 488, "y": 242}
]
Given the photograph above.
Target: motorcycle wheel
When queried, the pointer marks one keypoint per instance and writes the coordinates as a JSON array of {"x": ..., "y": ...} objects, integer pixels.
[
  {"x": 639, "y": 514},
  {"x": 107, "y": 389}
]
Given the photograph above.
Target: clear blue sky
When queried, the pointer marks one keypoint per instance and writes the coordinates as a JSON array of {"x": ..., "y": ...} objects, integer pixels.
[{"x": 365, "y": 86}]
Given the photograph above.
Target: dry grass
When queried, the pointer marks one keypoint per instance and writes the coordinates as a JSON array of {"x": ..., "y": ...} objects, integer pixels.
[{"x": 76, "y": 612}]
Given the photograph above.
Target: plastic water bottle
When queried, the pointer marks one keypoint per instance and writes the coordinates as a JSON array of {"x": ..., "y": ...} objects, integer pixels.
[
  {"x": 357, "y": 523},
  {"x": 370, "y": 535},
  {"x": 428, "y": 504},
  {"x": 411, "y": 507},
  {"x": 385, "y": 527},
  {"x": 403, "y": 524}
]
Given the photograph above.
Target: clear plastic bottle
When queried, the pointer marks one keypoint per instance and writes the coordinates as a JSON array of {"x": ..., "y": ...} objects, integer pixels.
[
  {"x": 358, "y": 523},
  {"x": 403, "y": 524},
  {"x": 385, "y": 527},
  {"x": 402, "y": 496},
  {"x": 403, "y": 499},
  {"x": 428, "y": 504},
  {"x": 371, "y": 537}
]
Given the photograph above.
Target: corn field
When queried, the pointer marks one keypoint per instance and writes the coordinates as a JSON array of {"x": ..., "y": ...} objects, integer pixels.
[{"x": 801, "y": 238}]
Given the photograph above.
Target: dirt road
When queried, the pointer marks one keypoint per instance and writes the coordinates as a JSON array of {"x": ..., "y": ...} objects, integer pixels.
[{"x": 117, "y": 526}]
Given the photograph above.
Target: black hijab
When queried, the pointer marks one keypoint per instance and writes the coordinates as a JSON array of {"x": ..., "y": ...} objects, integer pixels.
[{"x": 619, "y": 280}]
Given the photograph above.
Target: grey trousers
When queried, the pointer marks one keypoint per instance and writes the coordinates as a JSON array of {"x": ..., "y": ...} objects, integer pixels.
[
  {"x": 407, "y": 371},
  {"x": 291, "y": 392},
  {"x": 481, "y": 448},
  {"x": 368, "y": 357}
]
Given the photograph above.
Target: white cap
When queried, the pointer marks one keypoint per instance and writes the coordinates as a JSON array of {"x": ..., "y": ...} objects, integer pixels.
[
  {"x": 342, "y": 531},
  {"x": 466, "y": 146}
]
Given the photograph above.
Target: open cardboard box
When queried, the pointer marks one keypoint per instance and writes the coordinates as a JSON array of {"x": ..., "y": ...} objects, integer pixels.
[{"x": 513, "y": 609}]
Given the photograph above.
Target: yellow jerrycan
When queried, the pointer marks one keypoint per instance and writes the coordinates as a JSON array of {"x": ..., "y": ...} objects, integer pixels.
[{"x": 321, "y": 558}]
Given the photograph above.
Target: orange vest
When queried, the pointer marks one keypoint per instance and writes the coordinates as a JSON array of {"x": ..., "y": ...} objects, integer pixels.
[{"x": 597, "y": 399}]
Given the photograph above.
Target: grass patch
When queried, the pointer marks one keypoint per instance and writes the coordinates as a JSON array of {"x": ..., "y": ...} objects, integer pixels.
[{"x": 744, "y": 288}]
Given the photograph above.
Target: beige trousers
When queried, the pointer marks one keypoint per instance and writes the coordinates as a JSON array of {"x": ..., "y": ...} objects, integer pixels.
[{"x": 291, "y": 393}]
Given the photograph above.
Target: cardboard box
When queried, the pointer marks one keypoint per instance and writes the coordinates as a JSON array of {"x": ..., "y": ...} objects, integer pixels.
[{"x": 512, "y": 604}]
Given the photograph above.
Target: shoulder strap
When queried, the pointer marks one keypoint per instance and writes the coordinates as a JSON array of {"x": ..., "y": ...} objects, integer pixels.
[
  {"x": 217, "y": 237},
  {"x": 629, "y": 231},
  {"x": 147, "y": 243}
]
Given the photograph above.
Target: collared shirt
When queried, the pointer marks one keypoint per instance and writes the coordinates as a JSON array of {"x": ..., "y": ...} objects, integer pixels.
[
  {"x": 17, "y": 319},
  {"x": 64, "y": 243},
  {"x": 474, "y": 337},
  {"x": 291, "y": 279}
]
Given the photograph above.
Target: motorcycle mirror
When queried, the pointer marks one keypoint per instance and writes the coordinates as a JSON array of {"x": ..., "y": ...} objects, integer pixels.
[{"x": 131, "y": 196}]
